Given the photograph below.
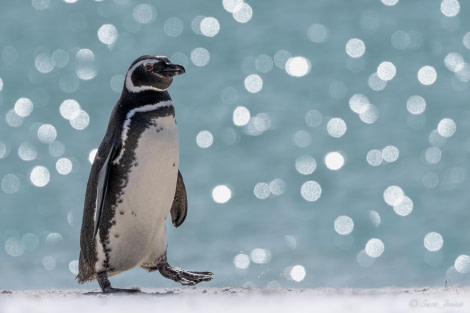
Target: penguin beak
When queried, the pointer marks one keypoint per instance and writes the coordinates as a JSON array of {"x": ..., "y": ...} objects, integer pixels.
[{"x": 171, "y": 70}]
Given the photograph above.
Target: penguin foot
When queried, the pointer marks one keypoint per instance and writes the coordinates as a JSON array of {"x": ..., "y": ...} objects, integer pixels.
[
  {"x": 184, "y": 277},
  {"x": 105, "y": 285}
]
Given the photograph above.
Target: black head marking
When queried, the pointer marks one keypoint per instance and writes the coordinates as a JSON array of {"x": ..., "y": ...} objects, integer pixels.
[{"x": 151, "y": 73}]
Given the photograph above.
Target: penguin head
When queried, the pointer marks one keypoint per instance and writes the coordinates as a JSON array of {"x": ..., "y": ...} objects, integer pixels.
[{"x": 151, "y": 73}]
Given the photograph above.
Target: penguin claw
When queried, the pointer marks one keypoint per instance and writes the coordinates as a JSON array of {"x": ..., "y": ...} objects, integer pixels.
[{"x": 186, "y": 278}]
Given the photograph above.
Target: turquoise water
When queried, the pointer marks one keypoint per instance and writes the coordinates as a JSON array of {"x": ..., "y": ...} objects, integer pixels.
[{"x": 323, "y": 143}]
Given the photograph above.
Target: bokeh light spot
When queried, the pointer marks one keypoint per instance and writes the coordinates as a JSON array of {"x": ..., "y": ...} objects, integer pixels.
[
  {"x": 298, "y": 273},
  {"x": 364, "y": 260},
  {"x": 204, "y": 139},
  {"x": 80, "y": 120},
  {"x": 355, "y": 48},
  {"x": 305, "y": 164},
  {"x": 40, "y": 4},
  {"x": 232, "y": 5},
  {"x": 298, "y": 66},
  {"x": 334, "y": 160},
  {"x": 116, "y": 82},
  {"x": 374, "y": 218},
  {"x": 144, "y": 13},
  {"x": 242, "y": 12},
  {"x": 47, "y": 133},
  {"x": 241, "y": 116},
  {"x": 3, "y": 150},
  {"x": 386, "y": 71},
  {"x": 454, "y": 61},
  {"x": 173, "y": 27},
  {"x": 462, "y": 264},
  {"x": 374, "y": 248},
  {"x": 69, "y": 108},
  {"x": 200, "y": 57},
  {"x": 370, "y": 115},
  {"x": 85, "y": 64},
  {"x": 389, "y": 2},
  {"x": 264, "y": 63},
  {"x": 416, "y": 105},
  {"x": 13, "y": 119},
  {"x": 27, "y": 152},
  {"x": 374, "y": 157},
  {"x": 260, "y": 256},
  {"x": 376, "y": 83},
  {"x": 358, "y": 103},
  {"x": 23, "y": 107},
  {"x": 393, "y": 195},
  {"x": 64, "y": 166},
  {"x": 427, "y": 75},
  {"x": 405, "y": 207},
  {"x": 241, "y": 261},
  {"x": 433, "y": 155},
  {"x": 40, "y": 176},
  {"x": 13, "y": 246},
  {"x": 49, "y": 263},
  {"x": 317, "y": 33},
  {"x": 261, "y": 191},
  {"x": 92, "y": 155},
  {"x": 310, "y": 191},
  {"x": 465, "y": 41},
  {"x": 73, "y": 267},
  {"x": 277, "y": 186},
  {"x": 344, "y": 225},
  {"x": 30, "y": 241},
  {"x": 107, "y": 34},
  {"x": 446, "y": 127},
  {"x": 313, "y": 118},
  {"x": 10, "y": 183},
  {"x": 336, "y": 127},
  {"x": 450, "y": 8},
  {"x": 60, "y": 58},
  {"x": 43, "y": 62},
  {"x": 436, "y": 139},
  {"x": 221, "y": 194},
  {"x": 281, "y": 57},
  {"x": 209, "y": 26},
  {"x": 433, "y": 241},
  {"x": 253, "y": 83},
  {"x": 390, "y": 154}
]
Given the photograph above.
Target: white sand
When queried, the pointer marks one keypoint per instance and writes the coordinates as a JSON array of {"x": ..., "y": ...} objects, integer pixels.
[{"x": 240, "y": 300}]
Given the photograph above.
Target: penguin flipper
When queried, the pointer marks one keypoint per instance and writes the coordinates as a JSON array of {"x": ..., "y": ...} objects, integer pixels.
[
  {"x": 102, "y": 185},
  {"x": 179, "y": 208}
]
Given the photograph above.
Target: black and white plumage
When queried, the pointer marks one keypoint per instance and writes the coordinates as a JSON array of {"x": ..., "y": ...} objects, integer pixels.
[{"x": 135, "y": 183}]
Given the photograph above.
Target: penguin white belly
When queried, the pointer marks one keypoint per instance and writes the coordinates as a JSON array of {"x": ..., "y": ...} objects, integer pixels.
[{"x": 138, "y": 235}]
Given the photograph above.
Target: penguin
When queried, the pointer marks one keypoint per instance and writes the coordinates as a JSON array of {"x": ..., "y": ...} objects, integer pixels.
[{"x": 135, "y": 183}]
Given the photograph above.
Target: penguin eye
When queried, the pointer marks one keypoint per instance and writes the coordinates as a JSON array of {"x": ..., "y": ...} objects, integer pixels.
[
  {"x": 148, "y": 66},
  {"x": 154, "y": 66}
]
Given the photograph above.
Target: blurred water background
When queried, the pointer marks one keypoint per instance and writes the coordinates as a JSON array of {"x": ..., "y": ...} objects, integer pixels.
[{"x": 323, "y": 143}]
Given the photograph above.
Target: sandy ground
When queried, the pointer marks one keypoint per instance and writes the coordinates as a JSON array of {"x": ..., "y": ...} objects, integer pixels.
[{"x": 226, "y": 300}]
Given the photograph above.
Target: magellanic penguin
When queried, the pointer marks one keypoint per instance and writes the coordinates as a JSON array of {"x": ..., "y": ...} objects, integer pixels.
[{"x": 135, "y": 183}]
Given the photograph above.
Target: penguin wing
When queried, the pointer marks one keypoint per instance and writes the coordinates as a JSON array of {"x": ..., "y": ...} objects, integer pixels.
[
  {"x": 179, "y": 208},
  {"x": 102, "y": 184}
]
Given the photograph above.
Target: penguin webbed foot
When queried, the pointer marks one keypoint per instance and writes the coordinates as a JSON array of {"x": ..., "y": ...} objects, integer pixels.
[
  {"x": 106, "y": 287},
  {"x": 184, "y": 277}
]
